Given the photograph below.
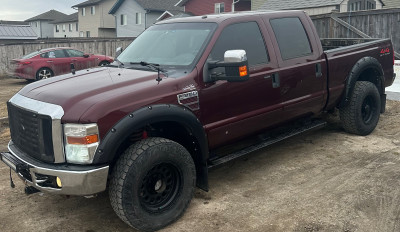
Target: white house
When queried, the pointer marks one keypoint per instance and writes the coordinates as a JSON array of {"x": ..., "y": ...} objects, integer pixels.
[
  {"x": 134, "y": 16},
  {"x": 66, "y": 27}
]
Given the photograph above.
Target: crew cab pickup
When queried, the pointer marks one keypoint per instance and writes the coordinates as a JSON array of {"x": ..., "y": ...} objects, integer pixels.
[{"x": 187, "y": 95}]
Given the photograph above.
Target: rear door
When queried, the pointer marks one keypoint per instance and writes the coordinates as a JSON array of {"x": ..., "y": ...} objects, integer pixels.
[
  {"x": 58, "y": 61},
  {"x": 302, "y": 66},
  {"x": 234, "y": 110}
]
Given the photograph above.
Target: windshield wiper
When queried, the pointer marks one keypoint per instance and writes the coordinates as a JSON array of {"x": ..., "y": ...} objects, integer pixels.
[{"x": 155, "y": 67}]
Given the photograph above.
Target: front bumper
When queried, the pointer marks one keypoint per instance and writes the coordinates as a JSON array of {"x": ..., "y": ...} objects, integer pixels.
[{"x": 75, "y": 179}]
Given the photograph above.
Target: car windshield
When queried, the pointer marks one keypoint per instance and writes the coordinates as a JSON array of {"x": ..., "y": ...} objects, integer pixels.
[
  {"x": 177, "y": 44},
  {"x": 31, "y": 55}
]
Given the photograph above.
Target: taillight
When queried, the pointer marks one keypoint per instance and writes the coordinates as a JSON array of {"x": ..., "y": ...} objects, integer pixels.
[{"x": 25, "y": 62}]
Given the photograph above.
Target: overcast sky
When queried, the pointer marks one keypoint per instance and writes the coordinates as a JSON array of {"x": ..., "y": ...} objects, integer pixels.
[{"x": 24, "y": 9}]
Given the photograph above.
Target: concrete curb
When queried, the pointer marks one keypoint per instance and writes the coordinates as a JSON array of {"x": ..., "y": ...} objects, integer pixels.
[{"x": 3, "y": 120}]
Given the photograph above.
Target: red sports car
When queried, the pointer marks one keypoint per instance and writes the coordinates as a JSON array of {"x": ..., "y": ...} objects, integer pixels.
[{"x": 55, "y": 61}]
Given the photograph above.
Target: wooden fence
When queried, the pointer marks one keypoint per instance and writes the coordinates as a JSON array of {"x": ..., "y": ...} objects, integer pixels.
[
  {"x": 362, "y": 24},
  {"x": 92, "y": 45}
]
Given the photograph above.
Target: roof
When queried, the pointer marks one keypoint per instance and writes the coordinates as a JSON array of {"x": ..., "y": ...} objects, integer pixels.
[
  {"x": 151, "y": 5},
  {"x": 174, "y": 14},
  {"x": 88, "y": 3},
  {"x": 181, "y": 2},
  {"x": 391, "y": 3},
  {"x": 49, "y": 16},
  {"x": 297, "y": 4},
  {"x": 69, "y": 18},
  {"x": 17, "y": 32},
  {"x": 13, "y": 22}
]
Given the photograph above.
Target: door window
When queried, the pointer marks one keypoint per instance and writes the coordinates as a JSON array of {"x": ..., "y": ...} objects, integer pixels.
[
  {"x": 74, "y": 53},
  {"x": 292, "y": 38},
  {"x": 53, "y": 54},
  {"x": 245, "y": 36}
]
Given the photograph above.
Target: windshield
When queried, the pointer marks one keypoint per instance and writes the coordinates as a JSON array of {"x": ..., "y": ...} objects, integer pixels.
[
  {"x": 31, "y": 55},
  {"x": 177, "y": 44}
]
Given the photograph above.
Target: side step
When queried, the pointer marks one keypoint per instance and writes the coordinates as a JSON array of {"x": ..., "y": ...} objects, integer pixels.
[{"x": 265, "y": 142}]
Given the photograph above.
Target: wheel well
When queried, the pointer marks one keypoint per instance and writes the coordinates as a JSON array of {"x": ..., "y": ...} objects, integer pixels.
[
  {"x": 169, "y": 130},
  {"x": 373, "y": 75}
]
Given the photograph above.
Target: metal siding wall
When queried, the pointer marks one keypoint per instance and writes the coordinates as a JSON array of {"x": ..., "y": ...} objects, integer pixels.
[{"x": 130, "y": 8}]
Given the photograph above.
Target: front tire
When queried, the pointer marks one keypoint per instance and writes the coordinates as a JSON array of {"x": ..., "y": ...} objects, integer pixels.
[
  {"x": 361, "y": 115},
  {"x": 152, "y": 183},
  {"x": 44, "y": 73}
]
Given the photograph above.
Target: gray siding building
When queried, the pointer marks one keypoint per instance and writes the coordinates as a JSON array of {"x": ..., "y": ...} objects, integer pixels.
[
  {"x": 134, "y": 16},
  {"x": 41, "y": 24}
]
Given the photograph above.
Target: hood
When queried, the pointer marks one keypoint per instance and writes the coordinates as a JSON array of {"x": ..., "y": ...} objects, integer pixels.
[{"x": 90, "y": 95}]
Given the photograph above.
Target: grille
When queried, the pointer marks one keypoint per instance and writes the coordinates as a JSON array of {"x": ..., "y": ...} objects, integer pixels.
[{"x": 31, "y": 133}]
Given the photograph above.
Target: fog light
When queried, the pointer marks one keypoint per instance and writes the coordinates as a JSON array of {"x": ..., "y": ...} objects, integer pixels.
[{"x": 58, "y": 180}]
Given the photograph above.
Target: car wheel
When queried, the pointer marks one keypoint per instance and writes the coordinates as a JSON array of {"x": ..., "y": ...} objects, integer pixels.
[
  {"x": 44, "y": 73},
  {"x": 104, "y": 63},
  {"x": 152, "y": 183},
  {"x": 361, "y": 115}
]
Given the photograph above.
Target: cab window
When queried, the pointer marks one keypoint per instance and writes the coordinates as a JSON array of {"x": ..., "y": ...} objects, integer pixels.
[{"x": 245, "y": 36}]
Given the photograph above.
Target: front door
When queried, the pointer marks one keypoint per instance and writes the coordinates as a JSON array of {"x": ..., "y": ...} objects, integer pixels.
[{"x": 230, "y": 111}]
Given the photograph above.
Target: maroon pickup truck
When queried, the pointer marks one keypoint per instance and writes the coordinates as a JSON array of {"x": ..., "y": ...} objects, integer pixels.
[{"x": 187, "y": 95}]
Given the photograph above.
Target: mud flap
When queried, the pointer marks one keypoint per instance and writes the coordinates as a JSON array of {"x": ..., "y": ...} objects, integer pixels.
[{"x": 383, "y": 103}]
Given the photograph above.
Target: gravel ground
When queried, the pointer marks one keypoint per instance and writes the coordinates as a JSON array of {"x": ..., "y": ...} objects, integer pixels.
[{"x": 326, "y": 180}]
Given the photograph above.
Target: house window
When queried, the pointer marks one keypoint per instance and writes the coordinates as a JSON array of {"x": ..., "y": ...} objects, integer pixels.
[
  {"x": 81, "y": 34},
  {"x": 219, "y": 7},
  {"x": 88, "y": 34},
  {"x": 37, "y": 24},
  {"x": 70, "y": 27},
  {"x": 124, "y": 19},
  {"x": 57, "y": 28},
  {"x": 83, "y": 11},
  {"x": 138, "y": 18},
  {"x": 76, "y": 27},
  {"x": 93, "y": 10},
  {"x": 357, "y": 5},
  {"x": 63, "y": 27}
]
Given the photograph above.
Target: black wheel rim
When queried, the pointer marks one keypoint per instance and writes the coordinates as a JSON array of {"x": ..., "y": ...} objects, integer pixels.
[
  {"x": 160, "y": 188},
  {"x": 368, "y": 109}
]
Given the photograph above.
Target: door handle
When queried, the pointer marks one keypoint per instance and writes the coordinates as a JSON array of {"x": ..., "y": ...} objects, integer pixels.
[
  {"x": 276, "y": 83},
  {"x": 318, "y": 70}
]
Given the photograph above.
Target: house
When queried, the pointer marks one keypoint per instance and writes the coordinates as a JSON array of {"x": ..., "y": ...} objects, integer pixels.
[
  {"x": 94, "y": 20},
  {"x": 41, "y": 24},
  {"x": 391, "y": 3},
  {"x": 66, "y": 27},
  {"x": 202, "y": 7},
  {"x": 134, "y": 16},
  {"x": 11, "y": 33},
  {"x": 314, "y": 7}
]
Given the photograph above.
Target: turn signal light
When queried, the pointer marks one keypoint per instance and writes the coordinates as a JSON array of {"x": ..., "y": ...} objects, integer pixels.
[
  {"x": 83, "y": 140},
  {"x": 58, "y": 180},
  {"x": 243, "y": 71}
]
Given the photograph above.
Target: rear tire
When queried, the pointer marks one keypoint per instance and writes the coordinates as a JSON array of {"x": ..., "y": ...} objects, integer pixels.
[
  {"x": 361, "y": 115},
  {"x": 104, "y": 63},
  {"x": 152, "y": 183},
  {"x": 44, "y": 73}
]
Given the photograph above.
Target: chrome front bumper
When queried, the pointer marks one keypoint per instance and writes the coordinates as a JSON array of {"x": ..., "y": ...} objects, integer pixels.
[{"x": 75, "y": 179}]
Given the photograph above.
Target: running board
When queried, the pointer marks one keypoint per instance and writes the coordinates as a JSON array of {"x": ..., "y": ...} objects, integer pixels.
[{"x": 309, "y": 126}]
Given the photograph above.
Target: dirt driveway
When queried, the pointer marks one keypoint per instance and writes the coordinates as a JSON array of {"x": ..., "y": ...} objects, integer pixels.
[{"x": 326, "y": 180}]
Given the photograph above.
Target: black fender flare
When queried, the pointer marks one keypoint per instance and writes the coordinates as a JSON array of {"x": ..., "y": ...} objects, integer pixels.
[
  {"x": 107, "y": 150},
  {"x": 355, "y": 73}
]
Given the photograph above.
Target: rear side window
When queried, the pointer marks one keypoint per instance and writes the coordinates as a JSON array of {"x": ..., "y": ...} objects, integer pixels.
[
  {"x": 246, "y": 36},
  {"x": 292, "y": 37},
  {"x": 74, "y": 53},
  {"x": 53, "y": 54}
]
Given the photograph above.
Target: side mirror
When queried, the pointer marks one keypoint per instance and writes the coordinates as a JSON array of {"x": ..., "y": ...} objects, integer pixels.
[
  {"x": 236, "y": 67},
  {"x": 86, "y": 55},
  {"x": 118, "y": 51}
]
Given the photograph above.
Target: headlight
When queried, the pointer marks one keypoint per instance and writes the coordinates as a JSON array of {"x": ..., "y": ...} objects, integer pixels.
[{"x": 81, "y": 142}]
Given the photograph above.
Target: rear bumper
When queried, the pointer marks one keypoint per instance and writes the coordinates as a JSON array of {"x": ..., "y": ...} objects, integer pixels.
[{"x": 75, "y": 179}]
